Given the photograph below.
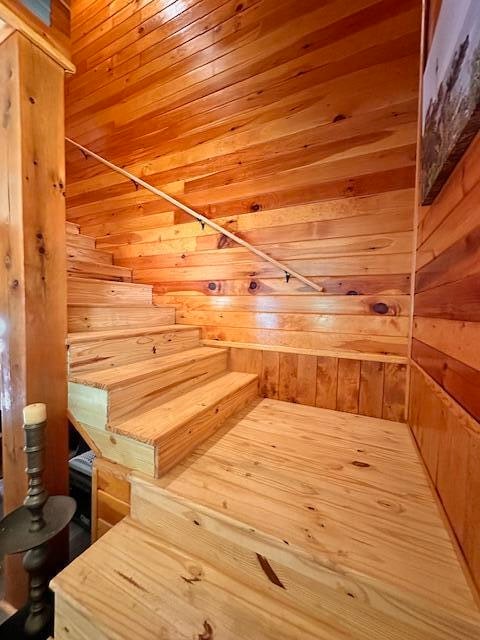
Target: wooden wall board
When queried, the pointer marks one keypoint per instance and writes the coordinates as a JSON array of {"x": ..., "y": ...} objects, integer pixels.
[
  {"x": 395, "y": 201},
  {"x": 368, "y": 388},
  {"x": 353, "y": 285},
  {"x": 327, "y": 382},
  {"x": 296, "y": 244},
  {"x": 348, "y": 385},
  {"x": 459, "y": 261},
  {"x": 458, "y": 339},
  {"x": 445, "y": 374},
  {"x": 394, "y": 390},
  {"x": 386, "y": 348},
  {"x": 294, "y": 126},
  {"x": 458, "y": 222},
  {"x": 282, "y": 44},
  {"x": 354, "y": 314},
  {"x": 350, "y": 324},
  {"x": 381, "y": 305},
  {"x": 448, "y": 438},
  {"x": 458, "y": 379},
  {"x": 458, "y": 300},
  {"x": 370, "y": 399}
]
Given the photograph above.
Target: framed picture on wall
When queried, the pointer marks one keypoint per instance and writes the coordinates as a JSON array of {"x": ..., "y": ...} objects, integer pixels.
[{"x": 451, "y": 93}]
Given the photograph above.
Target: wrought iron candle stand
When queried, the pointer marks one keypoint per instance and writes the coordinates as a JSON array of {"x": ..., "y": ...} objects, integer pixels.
[{"x": 30, "y": 528}]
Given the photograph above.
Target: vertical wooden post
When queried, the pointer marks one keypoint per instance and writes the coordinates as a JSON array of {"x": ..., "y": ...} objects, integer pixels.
[{"x": 32, "y": 268}]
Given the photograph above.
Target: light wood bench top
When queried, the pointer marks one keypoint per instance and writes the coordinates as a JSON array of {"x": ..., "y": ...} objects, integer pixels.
[
  {"x": 117, "y": 377},
  {"x": 351, "y": 490},
  {"x": 291, "y": 522},
  {"x": 80, "y": 337},
  {"x": 153, "y": 425}
]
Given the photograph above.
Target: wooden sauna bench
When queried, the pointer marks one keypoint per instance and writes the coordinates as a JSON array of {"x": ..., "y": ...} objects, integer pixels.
[{"x": 320, "y": 521}]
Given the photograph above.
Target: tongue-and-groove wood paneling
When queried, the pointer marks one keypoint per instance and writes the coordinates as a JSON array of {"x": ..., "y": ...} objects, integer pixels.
[
  {"x": 445, "y": 374},
  {"x": 292, "y": 123},
  {"x": 445, "y": 398}
]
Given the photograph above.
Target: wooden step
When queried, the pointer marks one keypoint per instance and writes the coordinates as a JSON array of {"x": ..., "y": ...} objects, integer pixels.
[
  {"x": 331, "y": 511},
  {"x": 72, "y": 228},
  {"x": 91, "y": 255},
  {"x": 98, "y": 270},
  {"x": 130, "y": 584},
  {"x": 91, "y": 350},
  {"x": 102, "y": 399},
  {"x": 83, "y": 337},
  {"x": 85, "y": 291},
  {"x": 103, "y": 317},
  {"x": 175, "y": 427},
  {"x": 81, "y": 241}
]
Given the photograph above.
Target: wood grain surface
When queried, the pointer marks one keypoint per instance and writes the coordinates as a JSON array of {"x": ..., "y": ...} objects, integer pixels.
[
  {"x": 444, "y": 390},
  {"x": 291, "y": 124},
  {"x": 369, "y": 388},
  {"x": 33, "y": 318},
  {"x": 251, "y": 536}
]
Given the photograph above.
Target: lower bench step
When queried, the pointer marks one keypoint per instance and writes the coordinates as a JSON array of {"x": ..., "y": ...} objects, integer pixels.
[
  {"x": 154, "y": 440},
  {"x": 132, "y": 585},
  {"x": 104, "y": 398},
  {"x": 176, "y": 427}
]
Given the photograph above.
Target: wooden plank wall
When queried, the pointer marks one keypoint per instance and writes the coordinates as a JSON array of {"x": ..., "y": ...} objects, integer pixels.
[
  {"x": 444, "y": 402},
  {"x": 444, "y": 397},
  {"x": 294, "y": 124},
  {"x": 363, "y": 387}
]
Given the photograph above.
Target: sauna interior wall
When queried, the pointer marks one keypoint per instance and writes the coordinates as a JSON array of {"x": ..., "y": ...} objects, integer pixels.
[
  {"x": 294, "y": 125},
  {"x": 445, "y": 376}
]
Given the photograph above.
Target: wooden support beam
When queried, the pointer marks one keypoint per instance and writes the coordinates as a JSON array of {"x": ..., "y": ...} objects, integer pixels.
[{"x": 33, "y": 312}]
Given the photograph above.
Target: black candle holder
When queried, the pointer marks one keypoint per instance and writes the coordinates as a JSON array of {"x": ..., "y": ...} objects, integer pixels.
[{"x": 29, "y": 528}]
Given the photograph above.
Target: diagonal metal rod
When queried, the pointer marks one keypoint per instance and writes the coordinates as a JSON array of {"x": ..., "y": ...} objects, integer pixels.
[{"x": 201, "y": 218}]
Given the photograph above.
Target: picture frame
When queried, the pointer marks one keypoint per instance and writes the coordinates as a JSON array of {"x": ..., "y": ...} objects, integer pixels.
[{"x": 451, "y": 94}]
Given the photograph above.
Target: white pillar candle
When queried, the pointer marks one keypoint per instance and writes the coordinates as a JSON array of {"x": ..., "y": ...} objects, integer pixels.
[{"x": 35, "y": 413}]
